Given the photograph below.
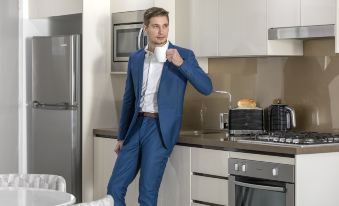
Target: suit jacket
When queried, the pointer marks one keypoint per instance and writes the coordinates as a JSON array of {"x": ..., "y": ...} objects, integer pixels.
[{"x": 170, "y": 97}]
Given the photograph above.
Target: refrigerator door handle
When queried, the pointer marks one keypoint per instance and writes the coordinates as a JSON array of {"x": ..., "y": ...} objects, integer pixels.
[
  {"x": 73, "y": 70},
  {"x": 58, "y": 106}
]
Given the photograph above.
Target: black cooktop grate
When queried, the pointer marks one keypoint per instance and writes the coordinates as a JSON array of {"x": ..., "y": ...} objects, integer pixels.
[{"x": 303, "y": 138}]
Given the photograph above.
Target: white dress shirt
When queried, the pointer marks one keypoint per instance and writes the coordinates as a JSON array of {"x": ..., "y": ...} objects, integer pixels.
[{"x": 150, "y": 82}]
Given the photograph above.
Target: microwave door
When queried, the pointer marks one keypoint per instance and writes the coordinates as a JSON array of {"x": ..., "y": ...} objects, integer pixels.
[{"x": 126, "y": 40}]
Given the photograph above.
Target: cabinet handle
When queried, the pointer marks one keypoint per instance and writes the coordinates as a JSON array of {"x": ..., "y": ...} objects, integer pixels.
[
  {"x": 206, "y": 203},
  {"x": 212, "y": 176}
]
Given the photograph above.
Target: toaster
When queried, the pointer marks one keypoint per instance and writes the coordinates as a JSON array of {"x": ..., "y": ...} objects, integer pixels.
[{"x": 246, "y": 121}]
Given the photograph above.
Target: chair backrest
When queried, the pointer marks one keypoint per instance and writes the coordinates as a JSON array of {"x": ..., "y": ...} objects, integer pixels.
[
  {"x": 44, "y": 181},
  {"x": 106, "y": 201}
]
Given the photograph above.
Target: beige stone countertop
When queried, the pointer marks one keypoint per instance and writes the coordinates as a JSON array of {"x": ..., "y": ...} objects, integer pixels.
[{"x": 220, "y": 142}]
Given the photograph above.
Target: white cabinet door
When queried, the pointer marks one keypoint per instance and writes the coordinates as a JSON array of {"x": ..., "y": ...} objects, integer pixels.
[
  {"x": 193, "y": 24},
  {"x": 315, "y": 180},
  {"x": 204, "y": 23},
  {"x": 286, "y": 13},
  {"x": 130, "y": 5},
  {"x": 318, "y": 12},
  {"x": 48, "y": 8},
  {"x": 175, "y": 186},
  {"x": 104, "y": 160},
  {"x": 242, "y": 27},
  {"x": 283, "y": 13}
]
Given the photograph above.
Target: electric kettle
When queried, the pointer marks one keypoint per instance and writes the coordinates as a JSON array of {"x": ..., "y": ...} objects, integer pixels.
[{"x": 280, "y": 117}]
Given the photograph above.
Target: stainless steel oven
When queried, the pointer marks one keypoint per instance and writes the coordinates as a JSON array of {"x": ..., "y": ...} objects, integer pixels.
[
  {"x": 128, "y": 36},
  {"x": 257, "y": 183}
]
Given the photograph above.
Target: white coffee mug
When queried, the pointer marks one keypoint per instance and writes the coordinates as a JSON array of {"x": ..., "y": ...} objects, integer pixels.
[{"x": 160, "y": 53}]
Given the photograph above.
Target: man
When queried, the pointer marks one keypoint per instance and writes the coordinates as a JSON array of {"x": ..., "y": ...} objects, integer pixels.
[{"x": 152, "y": 110}]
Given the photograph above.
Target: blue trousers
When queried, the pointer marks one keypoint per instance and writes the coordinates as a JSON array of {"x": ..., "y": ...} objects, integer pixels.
[{"x": 142, "y": 150}]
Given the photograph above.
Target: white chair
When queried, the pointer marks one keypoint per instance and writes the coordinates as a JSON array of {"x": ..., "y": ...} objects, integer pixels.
[
  {"x": 43, "y": 181},
  {"x": 106, "y": 201}
]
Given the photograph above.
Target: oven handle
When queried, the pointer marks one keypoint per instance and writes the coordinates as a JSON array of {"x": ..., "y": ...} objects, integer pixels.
[{"x": 261, "y": 187}]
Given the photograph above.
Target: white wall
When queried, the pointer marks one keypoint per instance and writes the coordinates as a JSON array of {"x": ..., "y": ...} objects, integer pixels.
[
  {"x": 9, "y": 44},
  {"x": 98, "y": 105},
  {"x": 63, "y": 25},
  {"x": 47, "y": 8},
  {"x": 27, "y": 29}
]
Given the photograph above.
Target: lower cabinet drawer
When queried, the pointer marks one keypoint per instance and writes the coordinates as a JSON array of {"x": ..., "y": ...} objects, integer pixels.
[
  {"x": 209, "y": 190},
  {"x": 209, "y": 161}
]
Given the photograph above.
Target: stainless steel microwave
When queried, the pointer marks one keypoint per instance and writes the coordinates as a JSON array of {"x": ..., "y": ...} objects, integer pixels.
[{"x": 128, "y": 36}]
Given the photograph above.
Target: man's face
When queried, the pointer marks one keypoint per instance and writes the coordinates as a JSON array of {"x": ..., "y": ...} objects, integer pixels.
[{"x": 157, "y": 30}]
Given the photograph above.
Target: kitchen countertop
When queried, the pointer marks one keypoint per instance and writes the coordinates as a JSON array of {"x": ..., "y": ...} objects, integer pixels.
[{"x": 220, "y": 141}]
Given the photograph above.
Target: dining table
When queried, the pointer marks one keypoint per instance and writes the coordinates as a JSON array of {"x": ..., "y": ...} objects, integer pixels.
[{"x": 24, "y": 196}]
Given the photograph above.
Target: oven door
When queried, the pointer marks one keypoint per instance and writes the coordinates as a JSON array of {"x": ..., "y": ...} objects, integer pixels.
[
  {"x": 245, "y": 191},
  {"x": 127, "y": 38}
]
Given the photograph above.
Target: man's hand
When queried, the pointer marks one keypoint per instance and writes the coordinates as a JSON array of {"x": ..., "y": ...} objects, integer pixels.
[
  {"x": 173, "y": 56},
  {"x": 118, "y": 146}
]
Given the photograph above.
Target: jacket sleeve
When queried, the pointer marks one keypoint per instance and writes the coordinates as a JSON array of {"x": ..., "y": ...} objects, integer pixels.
[
  {"x": 128, "y": 102},
  {"x": 195, "y": 75}
]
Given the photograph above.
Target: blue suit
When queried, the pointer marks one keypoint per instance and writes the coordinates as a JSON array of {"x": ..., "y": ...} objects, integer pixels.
[{"x": 148, "y": 142}]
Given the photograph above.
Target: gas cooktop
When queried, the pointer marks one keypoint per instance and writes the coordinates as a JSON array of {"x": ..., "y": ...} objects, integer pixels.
[{"x": 294, "y": 138}]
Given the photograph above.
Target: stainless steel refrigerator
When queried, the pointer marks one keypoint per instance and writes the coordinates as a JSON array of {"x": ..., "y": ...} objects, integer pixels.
[{"x": 54, "y": 146}]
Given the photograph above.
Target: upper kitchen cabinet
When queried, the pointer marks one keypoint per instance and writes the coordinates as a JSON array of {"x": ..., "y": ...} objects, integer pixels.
[
  {"x": 308, "y": 19},
  {"x": 49, "y": 8},
  {"x": 243, "y": 31},
  {"x": 196, "y": 26},
  {"x": 204, "y": 30},
  {"x": 130, "y": 5},
  {"x": 227, "y": 28},
  {"x": 283, "y": 13},
  {"x": 317, "y": 12},
  {"x": 183, "y": 25},
  {"x": 290, "y": 13},
  {"x": 242, "y": 27}
]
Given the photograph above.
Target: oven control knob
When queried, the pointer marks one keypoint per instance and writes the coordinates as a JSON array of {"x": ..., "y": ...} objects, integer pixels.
[
  {"x": 236, "y": 167},
  {"x": 275, "y": 172},
  {"x": 243, "y": 168}
]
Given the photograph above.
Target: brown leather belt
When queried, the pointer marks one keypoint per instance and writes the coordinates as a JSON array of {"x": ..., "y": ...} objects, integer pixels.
[{"x": 148, "y": 114}]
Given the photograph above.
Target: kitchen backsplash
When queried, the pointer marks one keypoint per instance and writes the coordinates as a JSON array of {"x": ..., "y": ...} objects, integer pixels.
[{"x": 309, "y": 84}]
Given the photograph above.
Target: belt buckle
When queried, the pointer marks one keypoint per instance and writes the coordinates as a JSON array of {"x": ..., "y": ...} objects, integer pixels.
[{"x": 148, "y": 114}]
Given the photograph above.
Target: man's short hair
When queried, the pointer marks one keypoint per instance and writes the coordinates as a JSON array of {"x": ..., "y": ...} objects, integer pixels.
[{"x": 153, "y": 12}]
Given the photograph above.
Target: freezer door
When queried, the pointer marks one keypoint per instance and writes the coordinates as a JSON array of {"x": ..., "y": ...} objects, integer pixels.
[
  {"x": 55, "y": 69},
  {"x": 55, "y": 146}
]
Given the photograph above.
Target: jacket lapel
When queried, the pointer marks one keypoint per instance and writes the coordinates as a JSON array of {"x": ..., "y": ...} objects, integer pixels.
[
  {"x": 140, "y": 68},
  {"x": 164, "y": 72}
]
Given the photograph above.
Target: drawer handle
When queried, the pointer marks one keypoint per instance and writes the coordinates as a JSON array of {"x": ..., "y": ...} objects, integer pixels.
[
  {"x": 208, "y": 175},
  {"x": 206, "y": 203}
]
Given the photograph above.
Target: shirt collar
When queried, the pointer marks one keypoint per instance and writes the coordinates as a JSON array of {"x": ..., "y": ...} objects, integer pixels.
[{"x": 148, "y": 53}]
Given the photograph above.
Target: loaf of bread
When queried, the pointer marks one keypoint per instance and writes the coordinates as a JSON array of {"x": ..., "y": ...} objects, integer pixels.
[{"x": 247, "y": 103}]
